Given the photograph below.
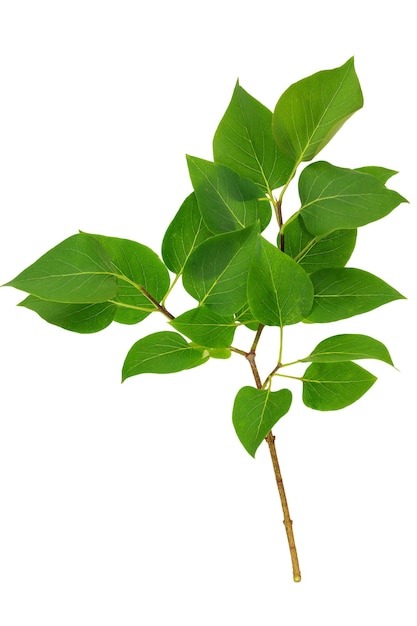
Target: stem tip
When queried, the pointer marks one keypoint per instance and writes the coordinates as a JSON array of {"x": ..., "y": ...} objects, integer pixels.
[{"x": 297, "y": 578}]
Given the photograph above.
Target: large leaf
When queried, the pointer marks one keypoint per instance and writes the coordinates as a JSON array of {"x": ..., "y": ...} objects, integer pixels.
[
  {"x": 279, "y": 290},
  {"x": 186, "y": 231},
  {"x": 216, "y": 274},
  {"x": 137, "y": 268},
  {"x": 256, "y": 411},
  {"x": 77, "y": 270},
  {"x": 206, "y": 327},
  {"x": 348, "y": 347},
  {"x": 79, "y": 318},
  {"x": 227, "y": 202},
  {"x": 164, "y": 352},
  {"x": 336, "y": 197},
  {"x": 333, "y": 386},
  {"x": 312, "y": 110},
  {"x": 244, "y": 142},
  {"x": 318, "y": 252},
  {"x": 344, "y": 292}
]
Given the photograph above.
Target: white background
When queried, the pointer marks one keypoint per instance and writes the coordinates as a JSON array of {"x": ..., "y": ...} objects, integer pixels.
[{"x": 135, "y": 503}]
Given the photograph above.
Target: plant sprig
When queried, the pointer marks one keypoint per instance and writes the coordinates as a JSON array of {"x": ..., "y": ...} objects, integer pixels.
[{"x": 216, "y": 247}]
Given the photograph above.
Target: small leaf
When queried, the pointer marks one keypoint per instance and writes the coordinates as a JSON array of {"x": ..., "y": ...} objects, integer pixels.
[
  {"x": 136, "y": 266},
  {"x": 216, "y": 274},
  {"x": 312, "y": 110},
  {"x": 206, "y": 327},
  {"x": 279, "y": 290},
  {"x": 227, "y": 202},
  {"x": 186, "y": 231},
  {"x": 337, "y": 198},
  {"x": 256, "y": 411},
  {"x": 164, "y": 352},
  {"x": 333, "y": 386},
  {"x": 344, "y": 292},
  {"x": 381, "y": 173},
  {"x": 349, "y": 348},
  {"x": 244, "y": 142},
  {"x": 246, "y": 317},
  {"x": 79, "y": 318},
  {"x": 318, "y": 252},
  {"x": 77, "y": 270}
]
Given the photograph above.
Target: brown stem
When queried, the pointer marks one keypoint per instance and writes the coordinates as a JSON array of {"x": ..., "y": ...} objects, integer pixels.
[
  {"x": 270, "y": 439},
  {"x": 160, "y": 307}
]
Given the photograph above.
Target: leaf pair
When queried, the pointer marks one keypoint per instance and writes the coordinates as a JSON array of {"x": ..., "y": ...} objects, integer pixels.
[{"x": 87, "y": 281}]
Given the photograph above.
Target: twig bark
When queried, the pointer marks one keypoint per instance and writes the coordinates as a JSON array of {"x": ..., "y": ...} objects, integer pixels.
[{"x": 270, "y": 439}]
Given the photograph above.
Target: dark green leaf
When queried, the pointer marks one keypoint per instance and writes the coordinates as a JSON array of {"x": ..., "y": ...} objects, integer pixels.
[
  {"x": 312, "y": 110},
  {"x": 344, "y": 292},
  {"x": 336, "y": 198},
  {"x": 77, "y": 270},
  {"x": 279, "y": 290},
  {"x": 227, "y": 202},
  {"x": 244, "y": 142},
  {"x": 318, "y": 252},
  {"x": 349, "y": 348},
  {"x": 137, "y": 267},
  {"x": 256, "y": 411},
  {"x": 79, "y": 318},
  {"x": 186, "y": 231},
  {"x": 206, "y": 327},
  {"x": 162, "y": 353},
  {"x": 381, "y": 173},
  {"x": 216, "y": 274},
  {"x": 332, "y": 386}
]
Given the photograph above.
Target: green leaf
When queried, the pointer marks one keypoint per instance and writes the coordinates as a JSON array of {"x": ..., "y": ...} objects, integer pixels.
[
  {"x": 216, "y": 274},
  {"x": 312, "y": 110},
  {"x": 344, "y": 292},
  {"x": 186, "y": 231},
  {"x": 79, "y": 318},
  {"x": 246, "y": 317},
  {"x": 137, "y": 267},
  {"x": 164, "y": 352},
  {"x": 336, "y": 198},
  {"x": 318, "y": 252},
  {"x": 349, "y": 348},
  {"x": 333, "y": 386},
  {"x": 227, "y": 202},
  {"x": 206, "y": 327},
  {"x": 77, "y": 270},
  {"x": 279, "y": 290},
  {"x": 381, "y": 173},
  {"x": 244, "y": 142},
  {"x": 256, "y": 411}
]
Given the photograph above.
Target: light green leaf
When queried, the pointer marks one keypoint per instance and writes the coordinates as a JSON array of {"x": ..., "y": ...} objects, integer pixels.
[
  {"x": 333, "y": 386},
  {"x": 77, "y": 270},
  {"x": 349, "y": 348},
  {"x": 137, "y": 268},
  {"x": 381, "y": 173},
  {"x": 79, "y": 318},
  {"x": 344, "y": 292},
  {"x": 318, "y": 252},
  {"x": 256, "y": 411},
  {"x": 337, "y": 198},
  {"x": 216, "y": 273},
  {"x": 186, "y": 231},
  {"x": 227, "y": 202},
  {"x": 312, "y": 110},
  {"x": 279, "y": 290},
  {"x": 164, "y": 352},
  {"x": 244, "y": 142},
  {"x": 206, "y": 327}
]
